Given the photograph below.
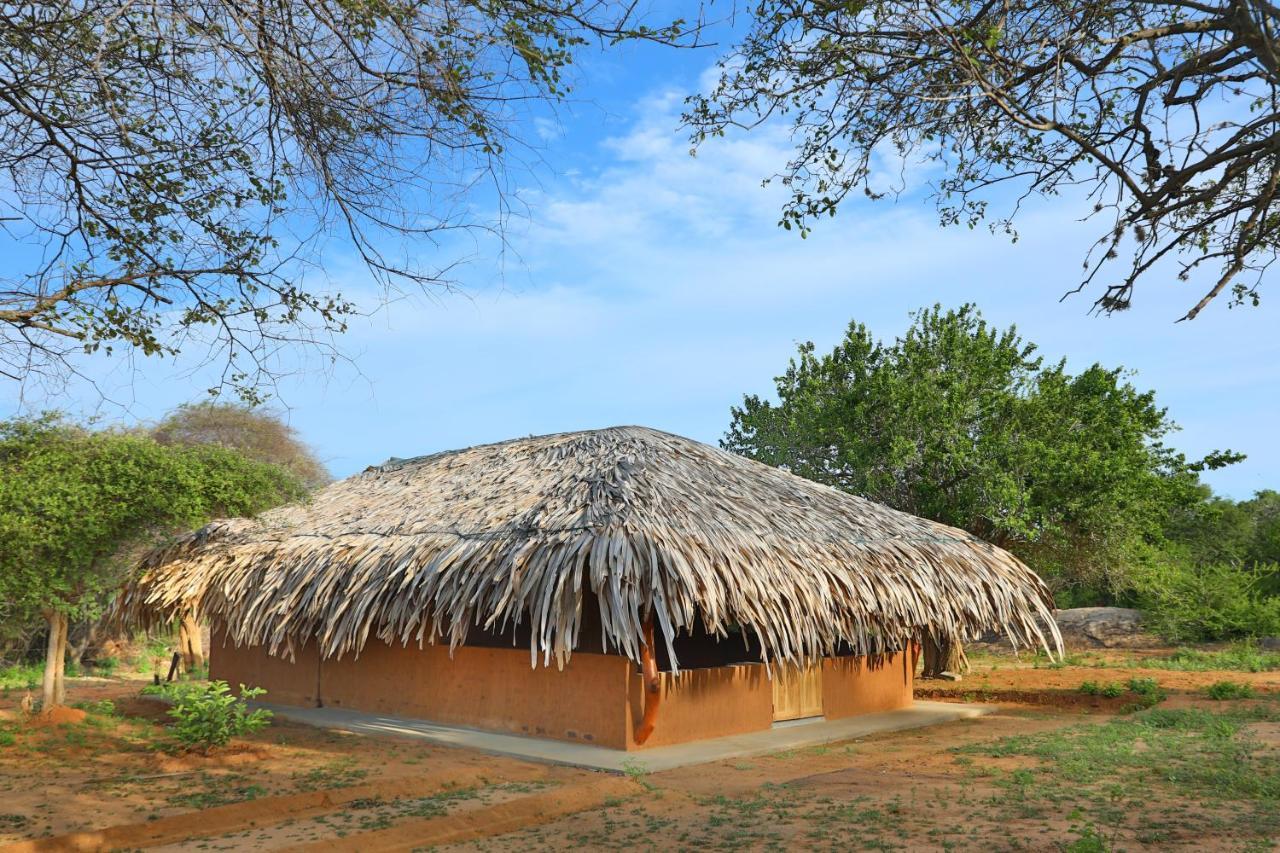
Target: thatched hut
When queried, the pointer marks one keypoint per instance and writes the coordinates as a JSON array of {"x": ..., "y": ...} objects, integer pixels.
[{"x": 622, "y": 586}]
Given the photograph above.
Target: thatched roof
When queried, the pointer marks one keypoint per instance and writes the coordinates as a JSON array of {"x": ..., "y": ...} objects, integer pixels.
[{"x": 653, "y": 524}]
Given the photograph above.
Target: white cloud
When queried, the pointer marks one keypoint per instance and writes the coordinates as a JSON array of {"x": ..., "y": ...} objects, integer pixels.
[{"x": 654, "y": 287}]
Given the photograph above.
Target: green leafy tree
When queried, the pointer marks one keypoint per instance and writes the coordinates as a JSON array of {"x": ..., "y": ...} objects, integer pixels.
[
  {"x": 1165, "y": 114},
  {"x": 964, "y": 423},
  {"x": 170, "y": 171},
  {"x": 74, "y": 503}
]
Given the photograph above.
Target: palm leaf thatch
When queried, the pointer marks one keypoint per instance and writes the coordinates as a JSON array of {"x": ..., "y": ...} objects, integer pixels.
[{"x": 655, "y": 525}]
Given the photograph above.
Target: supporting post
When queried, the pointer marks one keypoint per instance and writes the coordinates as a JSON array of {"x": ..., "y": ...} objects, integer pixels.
[
  {"x": 189, "y": 642},
  {"x": 652, "y": 685}
]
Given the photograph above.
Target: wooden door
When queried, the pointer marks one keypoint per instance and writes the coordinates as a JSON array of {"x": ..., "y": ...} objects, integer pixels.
[{"x": 797, "y": 693}]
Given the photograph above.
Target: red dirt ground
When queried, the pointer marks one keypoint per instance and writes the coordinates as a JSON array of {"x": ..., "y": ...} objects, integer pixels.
[{"x": 294, "y": 787}]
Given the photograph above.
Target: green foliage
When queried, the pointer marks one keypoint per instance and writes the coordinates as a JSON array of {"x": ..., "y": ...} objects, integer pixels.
[
  {"x": 963, "y": 423},
  {"x": 985, "y": 104},
  {"x": 208, "y": 716},
  {"x": 1238, "y": 657},
  {"x": 1222, "y": 690},
  {"x": 1089, "y": 841},
  {"x": 1146, "y": 692},
  {"x": 1183, "y": 601},
  {"x": 20, "y": 677},
  {"x": 74, "y": 502},
  {"x": 106, "y": 667},
  {"x": 175, "y": 178},
  {"x": 1205, "y": 753}
]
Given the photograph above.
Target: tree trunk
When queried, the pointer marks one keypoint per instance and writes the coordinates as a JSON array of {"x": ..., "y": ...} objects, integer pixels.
[
  {"x": 84, "y": 643},
  {"x": 190, "y": 643},
  {"x": 61, "y": 684},
  {"x": 943, "y": 657},
  {"x": 54, "y": 691}
]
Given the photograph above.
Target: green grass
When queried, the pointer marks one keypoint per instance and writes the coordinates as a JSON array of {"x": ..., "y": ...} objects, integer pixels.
[
  {"x": 1206, "y": 765},
  {"x": 218, "y": 790},
  {"x": 1146, "y": 692},
  {"x": 1223, "y": 690},
  {"x": 1239, "y": 657},
  {"x": 25, "y": 676}
]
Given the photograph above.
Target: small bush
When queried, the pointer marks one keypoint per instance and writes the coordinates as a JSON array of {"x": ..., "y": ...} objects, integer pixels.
[
  {"x": 1147, "y": 691},
  {"x": 21, "y": 677},
  {"x": 1238, "y": 657},
  {"x": 1221, "y": 690},
  {"x": 1144, "y": 686},
  {"x": 106, "y": 667},
  {"x": 209, "y": 716}
]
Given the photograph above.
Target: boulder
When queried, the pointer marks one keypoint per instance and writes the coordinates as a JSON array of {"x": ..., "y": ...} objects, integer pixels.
[
  {"x": 1108, "y": 627},
  {"x": 1094, "y": 627},
  {"x": 1269, "y": 644}
]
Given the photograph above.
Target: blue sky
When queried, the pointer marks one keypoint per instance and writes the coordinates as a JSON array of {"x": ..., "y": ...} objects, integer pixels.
[{"x": 645, "y": 286}]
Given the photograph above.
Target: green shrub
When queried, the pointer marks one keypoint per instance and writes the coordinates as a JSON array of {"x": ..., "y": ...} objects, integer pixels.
[
  {"x": 1112, "y": 689},
  {"x": 1239, "y": 657},
  {"x": 208, "y": 716},
  {"x": 1183, "y": 602},
  {"x": 1090, "y": 688},
  {"x": 1144, "y": 686},
  {"x": 106, "y": 667},
  {"x": 1221, "y": 690},
  {"x": 21, "y": 677}
]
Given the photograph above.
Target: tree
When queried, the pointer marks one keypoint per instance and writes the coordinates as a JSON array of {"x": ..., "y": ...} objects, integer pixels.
[
  {"x": 171, "y": 169},
  {"x": 73, "y": 503},
  {"x": 254, "y": 433},
  {"x": 963, "y": 423},
  {"x": 1166, "y": 113}
]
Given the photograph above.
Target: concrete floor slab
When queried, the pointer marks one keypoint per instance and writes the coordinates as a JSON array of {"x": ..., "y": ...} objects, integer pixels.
[{"x": 778, "y": 739}]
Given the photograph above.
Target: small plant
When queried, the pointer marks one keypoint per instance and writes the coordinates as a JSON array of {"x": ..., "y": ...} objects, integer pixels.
[
  {"x": 209, "y": 716},
  {"x": 636, "y": 770},
  {"x": 106, "y": 667},
  {"x": 1089, "y": 688},
  {"x": 1144, "y": 686},
  {"x": 1149, "y": 693},
  {"x": 1112, "y": 689},
  {"x": 21, "y": 677},
  {"x": 1221, "y": 690},
  {"x": 1090, "y": 841}
]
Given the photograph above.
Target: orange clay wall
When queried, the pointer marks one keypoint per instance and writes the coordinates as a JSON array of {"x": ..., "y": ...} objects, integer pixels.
[
  {"x": 295, "y": 682},
  {"x": 596, "y": 699},
  {"x": 485, "y": 688},
  {"x": 703, "y": 703},
  {"x": 864, "y": 685}
]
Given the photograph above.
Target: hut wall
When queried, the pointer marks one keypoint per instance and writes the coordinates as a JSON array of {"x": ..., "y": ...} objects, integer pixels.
[
  {"x": 863, "y": 685},
  {"x": 703, "y": 703},
  {"x": 596, "y": 699},
  {"x": 485, "y": 688},
  {"x": 287, "y": 682}
]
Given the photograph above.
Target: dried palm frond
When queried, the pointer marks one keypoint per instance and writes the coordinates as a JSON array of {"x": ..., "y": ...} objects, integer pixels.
[{"x": 655, "y": 525}]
